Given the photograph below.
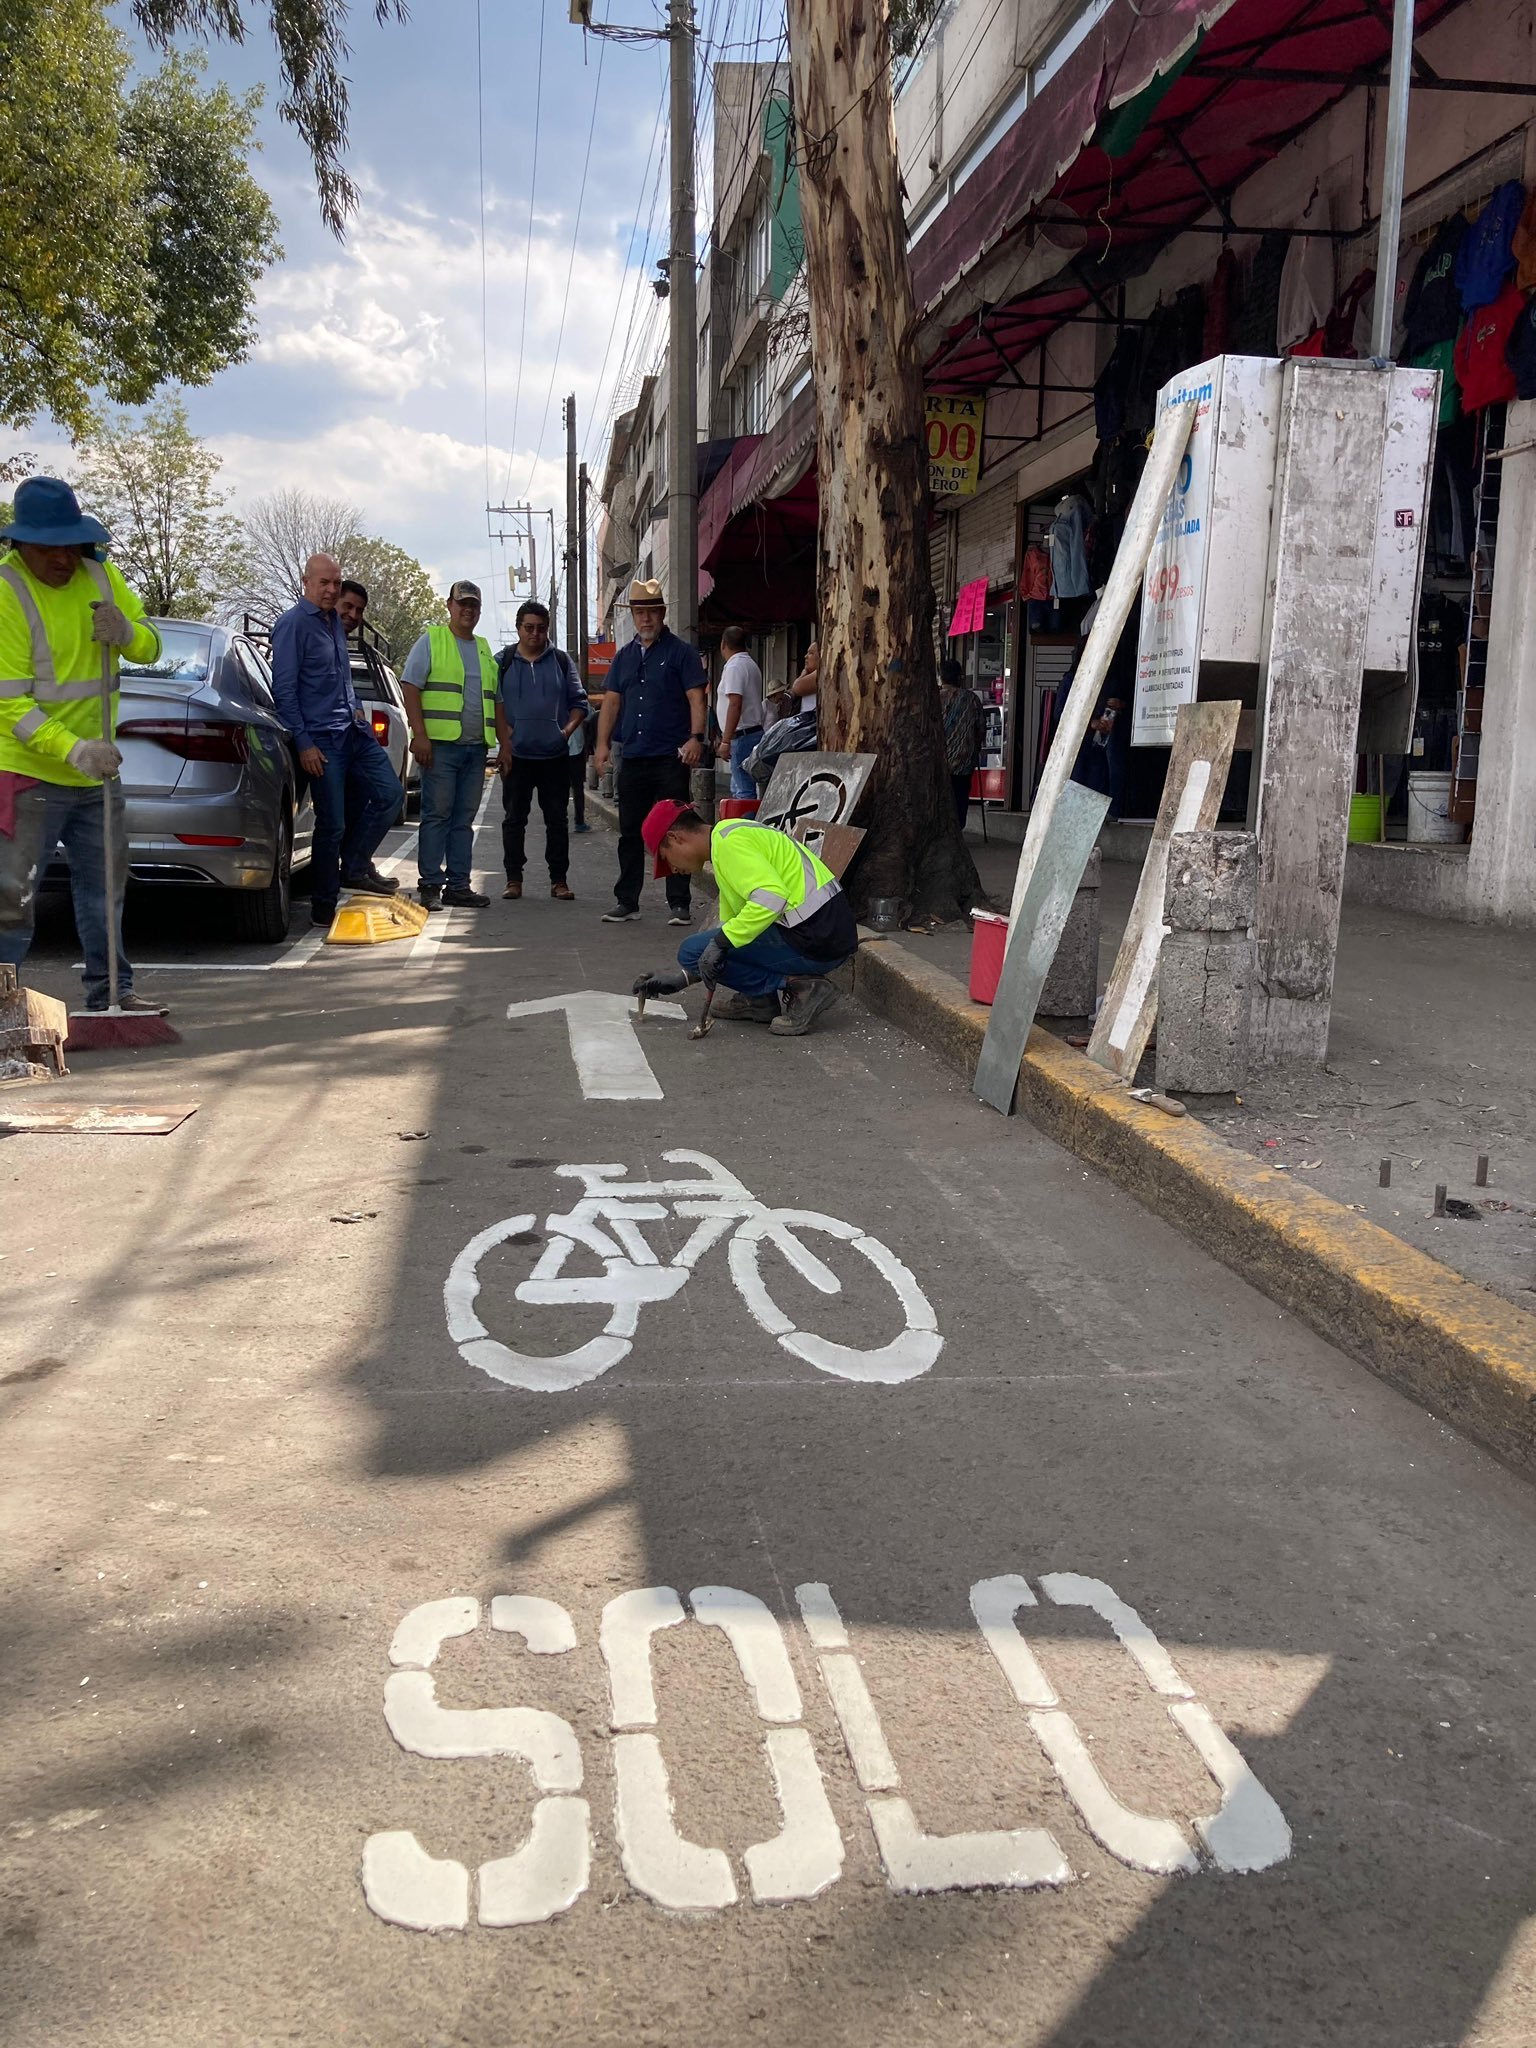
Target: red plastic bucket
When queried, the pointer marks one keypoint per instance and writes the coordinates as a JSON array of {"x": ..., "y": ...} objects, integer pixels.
[
  {"x": 737, "y": 807},
  {"x": 989, "y": 940}
]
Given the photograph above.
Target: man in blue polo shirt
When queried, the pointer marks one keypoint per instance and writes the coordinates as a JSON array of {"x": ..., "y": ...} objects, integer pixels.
[
  {"x": 657, "y": 699},
  {"x": 356, "y": 793}
]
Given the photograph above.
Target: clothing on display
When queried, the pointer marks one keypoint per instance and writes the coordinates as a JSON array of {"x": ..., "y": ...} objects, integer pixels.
[
  {"x": 1442, "y": 358},
  {"x": 1067, "y": 543},
  {"x": 1220, "y": 298},
  {"x": 1433, "y": 310},
  {"x": 1257, "y": 317},
  {"x": 1523, "y": 244},
  {"x": 1035, "y": 575},
  {"x": 1306, "y": 292},
  {"x": 1117, "y": 385},
  {"x": 1520, "y": 351},
  {"x": 1485, "y": 257},
  {"x": 1481, "y": 370}
]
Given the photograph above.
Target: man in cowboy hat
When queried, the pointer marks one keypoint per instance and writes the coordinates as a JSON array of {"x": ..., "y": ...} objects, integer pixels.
[
  {"x": 657, "y": 699},
  {"x": 63, "y": 611}
]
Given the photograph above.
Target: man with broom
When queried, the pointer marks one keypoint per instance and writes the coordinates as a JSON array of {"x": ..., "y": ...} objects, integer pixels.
[{"x": 66, "y": 617}]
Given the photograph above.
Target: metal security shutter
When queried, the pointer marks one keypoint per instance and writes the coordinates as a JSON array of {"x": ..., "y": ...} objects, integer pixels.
[
  {"x": 986, "y": 536},
  {"x": 941, "y": 555}
]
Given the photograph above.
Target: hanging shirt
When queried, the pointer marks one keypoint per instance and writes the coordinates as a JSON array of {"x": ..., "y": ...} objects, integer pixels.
[
  {"x": 1067, "y": 542},
  {"x": 1485, "y": 257},
  {"x": 1520, "y": 351},
  {"x": 1523, "y": 245},
  {"x": 1433, "y": 311},
  {"x": 1035, "y": 575},
  {"x": 1306, "y": 290},
  {"x": 1485, "y": 377}
]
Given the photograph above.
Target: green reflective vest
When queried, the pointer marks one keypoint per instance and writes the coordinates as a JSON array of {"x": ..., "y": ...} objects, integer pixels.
[{"x": 442, "y": 694}]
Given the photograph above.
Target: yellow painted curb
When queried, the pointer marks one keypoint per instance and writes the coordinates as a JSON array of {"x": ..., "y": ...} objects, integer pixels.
[{"x": 1450, "y": 1343}]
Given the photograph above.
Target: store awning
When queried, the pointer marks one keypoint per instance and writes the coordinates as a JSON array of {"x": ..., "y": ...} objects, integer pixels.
[
  {"x": 757, "y": 524},
  {"x": 1152, "y": 122}
]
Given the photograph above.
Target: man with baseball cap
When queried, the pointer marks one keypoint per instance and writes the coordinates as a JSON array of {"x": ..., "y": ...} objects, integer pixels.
[
  {"x": 658, "y": 701},
  {"x": 449, "y": 678},
  {"x": 785, "y": 922}
]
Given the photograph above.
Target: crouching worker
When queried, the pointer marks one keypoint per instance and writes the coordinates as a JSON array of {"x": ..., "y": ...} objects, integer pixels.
[{"x": 786, "y": 924}]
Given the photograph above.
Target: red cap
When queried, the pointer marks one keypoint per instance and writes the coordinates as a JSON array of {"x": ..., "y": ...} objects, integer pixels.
[{"x": 659, "y": 820}]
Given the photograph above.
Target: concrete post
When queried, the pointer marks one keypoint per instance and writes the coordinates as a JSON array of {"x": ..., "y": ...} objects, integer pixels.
[
  {"x": 1072, "y": 986},
  {"x": 1205, "y": 971},
  {"x": 1501, "y": 863}
]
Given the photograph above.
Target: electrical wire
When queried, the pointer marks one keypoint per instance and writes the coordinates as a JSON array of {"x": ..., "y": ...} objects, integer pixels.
[
  {"x": 485, "y": 341},
  {"x": 533, "y": 186}
]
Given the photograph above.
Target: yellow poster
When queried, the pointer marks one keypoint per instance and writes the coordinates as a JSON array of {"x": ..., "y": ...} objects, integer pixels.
[{"x": 954, "y": 427}]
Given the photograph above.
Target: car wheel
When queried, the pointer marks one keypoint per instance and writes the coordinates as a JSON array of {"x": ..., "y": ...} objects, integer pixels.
[{"x": 263, "y": 915}]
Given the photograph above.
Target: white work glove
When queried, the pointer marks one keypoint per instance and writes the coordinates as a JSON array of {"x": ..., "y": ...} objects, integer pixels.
[
  {"x": 111, "y": 626},
  {"x": 97, "y": 758}
]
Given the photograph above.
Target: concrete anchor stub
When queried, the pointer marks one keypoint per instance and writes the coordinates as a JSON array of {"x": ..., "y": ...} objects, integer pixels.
[
  {"x": 1204, "y": 1004},
  {"x": 1072, "y": 986},
  {"x": 1213, "y": 880}
]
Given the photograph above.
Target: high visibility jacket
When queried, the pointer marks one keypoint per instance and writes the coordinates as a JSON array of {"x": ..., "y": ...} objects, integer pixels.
[
  {"x": 442, "y": 694},
  {"x": 50, "y": 667},
  {"x": 767, "y": 878}
]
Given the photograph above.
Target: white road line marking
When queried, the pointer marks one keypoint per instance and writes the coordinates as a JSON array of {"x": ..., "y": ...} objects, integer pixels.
[
  {"x": 424, "y": 947},
  {"x": 611, "y": 1065},
  {"x": 808, "y": 1855},
  {"x": 658, "y": 1860},
  {"x": 758, "y": 1642},
  {"x": 409, "y": 1888},
  {"x": 624, "y": 1637},
  {"x": 303, "y": 950}
]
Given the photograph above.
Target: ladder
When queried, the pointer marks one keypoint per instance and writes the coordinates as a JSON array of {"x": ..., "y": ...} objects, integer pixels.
[{"x": 1474, "y": 673}]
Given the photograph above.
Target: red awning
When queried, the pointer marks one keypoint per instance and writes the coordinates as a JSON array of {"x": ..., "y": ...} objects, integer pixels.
[
  {"x": 1262, "y": 71},
  {"x": 757, "y": 523}
]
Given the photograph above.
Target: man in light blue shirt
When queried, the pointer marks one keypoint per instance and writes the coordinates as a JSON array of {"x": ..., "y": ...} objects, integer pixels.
[{"x": 540, "y": 705}]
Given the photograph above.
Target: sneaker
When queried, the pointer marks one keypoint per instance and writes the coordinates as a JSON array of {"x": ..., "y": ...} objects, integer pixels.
[
  {"x": 513, "y": 890},
  {"x": 745, "y": 1009},
  {"x": 465, "y": 899},
  {"x": 369, "y": 882},
  {"x": 430, "y": 895},
  {"x": 131, "y": 1006},
  {"x": 581, "y": 828},
  {"x": 680, "y": 917},
  {"x": 562, "y": 892},
  {"x": 807, "y": 1000},
  {"x": 620, "y": 914},
  {"x": 322, "y": 914}
]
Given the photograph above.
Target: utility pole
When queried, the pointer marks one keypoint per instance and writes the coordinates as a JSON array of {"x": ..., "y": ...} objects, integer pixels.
[
  {"x": 683, "y": 340},
  {"x": 582, "y": 488},
  {"x": 573, "y": 613}
]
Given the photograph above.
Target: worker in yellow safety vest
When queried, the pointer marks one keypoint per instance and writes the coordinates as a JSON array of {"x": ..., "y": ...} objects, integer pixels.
[
  {"x": 450, "y": 699},
  {"x": 64, "y": 610},
  {"x": 785, "y": 924}
]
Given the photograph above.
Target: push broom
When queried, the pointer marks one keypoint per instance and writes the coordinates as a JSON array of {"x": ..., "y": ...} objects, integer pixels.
[{"x": 113, "y": 1029}]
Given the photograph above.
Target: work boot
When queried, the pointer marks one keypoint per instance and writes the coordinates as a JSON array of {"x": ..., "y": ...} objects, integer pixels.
[
  {"x": 465, "y": 899},
  {"x": 430, "y": 895},
  {"x": 513, "y": 890},
  {"x": 745, "y": 1009},
  {"x": 369, "y": 882},
  {"x": 807, "y": 1000}
]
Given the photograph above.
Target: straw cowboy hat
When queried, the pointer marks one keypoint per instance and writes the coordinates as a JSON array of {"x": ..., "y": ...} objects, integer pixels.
[
  {"x": 646, "y": 591},
  {"x": 47, "y": 515}
]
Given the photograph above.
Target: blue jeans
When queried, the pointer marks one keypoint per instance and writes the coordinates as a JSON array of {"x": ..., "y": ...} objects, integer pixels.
[
  {"x": 760, "y": 968},
  {"x": 743, "y": 744},
  {"x": 357, "y": 799},
  {"x": 50, "y": 814},
  {"x": 451, "y": 790}
]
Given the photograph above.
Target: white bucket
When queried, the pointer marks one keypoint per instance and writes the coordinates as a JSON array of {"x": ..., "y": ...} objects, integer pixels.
[{"x": 1429, "y": 797}]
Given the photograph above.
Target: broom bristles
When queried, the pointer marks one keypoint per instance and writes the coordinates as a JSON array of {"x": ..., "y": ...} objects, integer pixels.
[{"x": 117, "y": 1031}]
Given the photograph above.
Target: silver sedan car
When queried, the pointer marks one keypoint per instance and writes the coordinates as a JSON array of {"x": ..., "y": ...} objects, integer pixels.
[{"x": 215, "y": 796}]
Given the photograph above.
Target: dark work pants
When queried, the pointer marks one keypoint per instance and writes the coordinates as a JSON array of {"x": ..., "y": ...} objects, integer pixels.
[
  {"x": 961, "y": 785},
  {"x": 356, "y": 799},
  {"x": 550, "y": 781},
  {"x": 640, "y": 784},
  {"x": 578, "y": 772}
]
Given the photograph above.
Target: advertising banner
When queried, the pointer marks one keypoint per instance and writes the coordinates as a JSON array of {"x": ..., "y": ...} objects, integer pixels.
[{"x": 954, "y": 430}]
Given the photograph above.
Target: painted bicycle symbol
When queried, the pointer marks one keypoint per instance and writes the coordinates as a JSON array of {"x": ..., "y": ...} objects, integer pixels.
[{"x": 608, "y": 1222}]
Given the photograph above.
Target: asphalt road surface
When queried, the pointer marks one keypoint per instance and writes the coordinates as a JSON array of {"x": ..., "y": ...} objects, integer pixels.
[{"x": 450, "y": 1598}]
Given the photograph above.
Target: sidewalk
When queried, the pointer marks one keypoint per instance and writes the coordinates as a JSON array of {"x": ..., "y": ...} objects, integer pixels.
[{"x": 1430, "y": 1063}]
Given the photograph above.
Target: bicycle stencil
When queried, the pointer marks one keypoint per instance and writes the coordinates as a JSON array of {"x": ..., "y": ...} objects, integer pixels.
[{"x": 609, "y": 1221}]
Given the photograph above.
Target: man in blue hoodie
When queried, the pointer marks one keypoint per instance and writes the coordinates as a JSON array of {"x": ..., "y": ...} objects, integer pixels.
[{"x": 539, "y": 705}]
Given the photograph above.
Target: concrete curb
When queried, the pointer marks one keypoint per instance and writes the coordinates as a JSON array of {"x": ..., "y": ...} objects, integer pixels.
[{"x": 1463, "y": 1352}]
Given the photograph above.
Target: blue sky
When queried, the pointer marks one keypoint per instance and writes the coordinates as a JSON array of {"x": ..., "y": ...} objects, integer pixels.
[{"x": 366, "y": 382}]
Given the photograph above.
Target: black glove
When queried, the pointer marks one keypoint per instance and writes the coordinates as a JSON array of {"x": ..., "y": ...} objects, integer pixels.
[
  {"x": 712, "y": 960},
  {"x": 654, "y": 986}
]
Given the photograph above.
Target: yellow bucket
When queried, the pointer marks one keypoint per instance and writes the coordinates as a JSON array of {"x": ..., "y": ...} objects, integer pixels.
[{"x": 373, "y": 920}]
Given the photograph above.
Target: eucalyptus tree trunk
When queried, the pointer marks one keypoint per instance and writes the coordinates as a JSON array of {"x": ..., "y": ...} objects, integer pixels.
[{"x": 877, "y": 692}]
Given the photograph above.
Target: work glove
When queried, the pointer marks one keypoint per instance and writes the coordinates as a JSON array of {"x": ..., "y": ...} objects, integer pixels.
[
  {"x": 97, "y": 758},
  {"x": 654, "y": 986},
  {"x": 111, "y": 627},
  {"x": 712, "y": 960}
]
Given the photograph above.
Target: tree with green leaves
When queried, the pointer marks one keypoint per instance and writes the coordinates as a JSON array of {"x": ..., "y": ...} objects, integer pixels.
[
  {"x": 311, "y": 41},
  {"x": 401, "y": 600},
  {"x": 154, "y": 486},
  {"x": 133, "y": 233}
]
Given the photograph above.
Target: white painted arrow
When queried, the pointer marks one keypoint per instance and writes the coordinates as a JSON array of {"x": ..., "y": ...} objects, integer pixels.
[{"x": 610, "y": 1062}]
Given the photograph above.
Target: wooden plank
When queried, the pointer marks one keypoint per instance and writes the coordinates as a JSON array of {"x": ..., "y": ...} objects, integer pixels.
[
  {"x": 1332, "y": 424},
  {"x": 1032, "y": 944},
  {"x": 1197, "y": 774},
  {"x": 110, "y": 1119},
  {"x": 839, "y": 843}
]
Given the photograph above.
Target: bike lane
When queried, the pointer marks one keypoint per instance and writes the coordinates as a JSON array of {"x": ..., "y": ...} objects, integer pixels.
[{"x": 1131, "y": 1666}]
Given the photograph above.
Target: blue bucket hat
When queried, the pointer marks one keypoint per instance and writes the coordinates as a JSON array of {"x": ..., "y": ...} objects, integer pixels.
[{"x": 47, "y": 515}]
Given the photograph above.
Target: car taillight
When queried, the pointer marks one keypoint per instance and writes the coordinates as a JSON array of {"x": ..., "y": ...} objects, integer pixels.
[
  {"x": 195, "y": 739},
  {"x": 379, "y": 720}
]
